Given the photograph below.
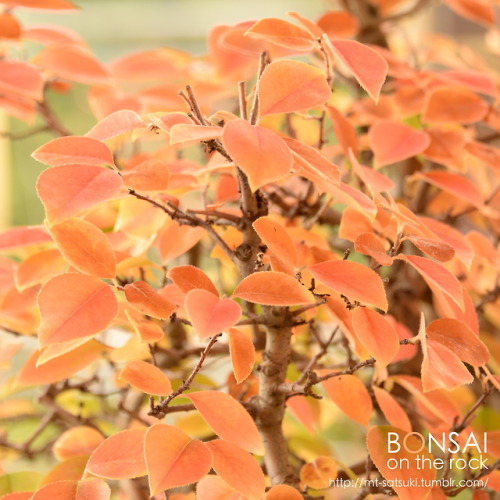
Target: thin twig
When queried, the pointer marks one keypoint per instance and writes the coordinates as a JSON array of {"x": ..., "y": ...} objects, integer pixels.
[
  {"x": 243, "y": 100},
  {"x": 51, "y": 120},
  {"x": 159, "y": 410},
  {"x": 185, "y": 218},
  {"x": 194, "y": 105},
  {"x": 13, "y": 136},
  {"x": 254, "y": 113}
]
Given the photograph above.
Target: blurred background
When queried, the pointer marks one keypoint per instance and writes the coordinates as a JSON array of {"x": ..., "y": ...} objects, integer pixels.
[{"x": 113, "y": 28}]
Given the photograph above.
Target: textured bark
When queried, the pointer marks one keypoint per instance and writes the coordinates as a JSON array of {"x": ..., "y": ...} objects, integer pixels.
[
  {"x": 271, "y": 401},
  {"x": 269, "y": 407}
]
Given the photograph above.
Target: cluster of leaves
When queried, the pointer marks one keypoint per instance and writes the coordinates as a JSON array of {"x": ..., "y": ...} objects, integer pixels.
[{"x": 254, "y": 258}]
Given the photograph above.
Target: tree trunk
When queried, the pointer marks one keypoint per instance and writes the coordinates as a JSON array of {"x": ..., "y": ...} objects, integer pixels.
[{"x": 271, "y": 401}]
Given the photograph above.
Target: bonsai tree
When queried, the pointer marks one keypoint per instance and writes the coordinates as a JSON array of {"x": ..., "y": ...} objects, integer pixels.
[{"x": 268, "y": 272}]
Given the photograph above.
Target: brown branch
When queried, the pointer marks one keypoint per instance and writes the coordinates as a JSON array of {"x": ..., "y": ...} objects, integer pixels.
[
  {"x": 484, "y": 472},
  {"x": 491, "y": 296},
  {"x": 306, "y": 374},
  {"x": 25, "y": 133},
  {"x": 150, "y": 200},
  {"x": 44, "y": 422},
  {"x": 73, "y": 420},
  {"x": 159, "y": 411},
  {"x": 194, "y": 105},
  {"x": 254, "y": 113},
  {"x": 469, "y": 416},
  {"x": 51, "y": 119},
  {"x": 242, "y": 100},
  {"x": 271, "y": 402},
  {"x": 185, "y": 218},
  {"x": 215, "y": 213}
]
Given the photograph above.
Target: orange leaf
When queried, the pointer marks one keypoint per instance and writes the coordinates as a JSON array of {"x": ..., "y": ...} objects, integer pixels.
[
  {"x": 147, "y": 330},
  {"x": 21, "y": 79},
  {"x": 452, "y": 237},
  {"x": 353, "y": 280},
  {"x": 74, "y": 306},
  {"x": 209, "y": 314},
  {"x": 189, "y": 133},
  {"x": 311, "y": 164},
  {"x": 338, "y": 24},
  {"x": 23, "y": 236},
  {"x": 155, "y": 64},
  {"x": 376, "y": 333},
  {"x": 373, "y": 179},
  {"x": 312, "y": 27},
  {"x": 259, "y": 152},
  {"x": 147, "y": 378},
  {"x": 72, "y": 63},
  {"x": 58, "y": 368},
  {"x": 454, "y": 105},
  {"x": 283, "y": 492},
  {"x": 392, "y": 142},
  {"x": 150, "y": 175},
  {"x": 306, "y": 411},
  {"x": 287, "y": 86},
  {"x": 168, "y": 120},
  {"x": 319, "y": 473},
  {"x": 486, "y": 153},
  {"x": 367, "y": 65},
  {"x": 77, "y": 441},
  {"x": 85, "y": 247},
  {"x": 93, "y": 488},
  {"x": 459, "y": 338},
  {"x": 475, "y": 10},
  {"x": 392, "y": 410},
  {"x": 143, "y": 297},
  {"x": 472, "y": 79},
  {"x": 72, "y": 469},
  {"x": 480, "y": 495},
  {"x": 190, "y": 277},
  {"x": 276, "y": 238},
  {"x": 438, "y": 276},
  {"x": 45, "y": 4},
  {"x": 74, "y": 150},
  {"x": 441, "y": 368},
  {"x": 20, "y": 495},
  {"x": 436, "y": 249},
  {"x": 273, "y": 289},
  {"x": 242, "y": 353},
  {"x": 446, "y": 146},
  {"x": 455, "y": 184},
  {"x": 282, "y": 33},
  {"x": 46, "y": 35},
  {"x": 344, "y": 131},
  {"x": 120, "y": 456},
  {"x": 370, "y": 244},
  {"x": 228, "y": 418},
  {"x": 354, "y": 198},
  {"x": 176, "y": 240},
  {"x": 117, "y": 123},
  {"x": 420, "y": 476},
  {"x": 238, "y": 468},
  {"x": 350, "y": 395},
  {"x": 174, "y": 459},
  {"x": 70, "y": 189},
  {"x": 215, "y": 488},
  {"x": 10, "y": 28},
  {"x": 38, "y": 268}
]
